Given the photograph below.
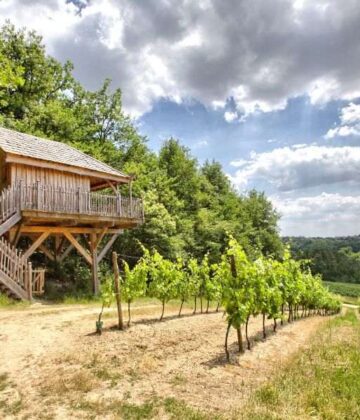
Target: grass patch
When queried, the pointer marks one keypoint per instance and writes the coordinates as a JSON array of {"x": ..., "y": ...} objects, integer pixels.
[
  {"x": 322, "y": 382},
  {"x": 344, "y": 289},
  {"x": 153, "y": 408},
  {"x": 80, "y": 300},
  {"x": 178, "y": 410},
  {"x": 7, "y": 303},
  {"x": 63, "y": 384},
  {"x": 3, "y": 381},
  {"x": 179, "y": 379},
  {"x": 11, "y": 403}
]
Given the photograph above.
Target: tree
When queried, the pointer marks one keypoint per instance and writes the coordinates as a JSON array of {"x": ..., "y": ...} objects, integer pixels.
[{"x": 188, "y": 208}]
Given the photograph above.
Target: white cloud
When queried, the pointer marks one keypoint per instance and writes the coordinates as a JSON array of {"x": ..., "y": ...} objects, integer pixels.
[
  {"x": 207, "y": 50},
  {"x": 329, "y": 214},
  {"x": 230, "y": 116},
  {"x": 349, "y": 123},
  {"x": 200, "y": 144},
  {"x": 350, "y": 114},
  {"x": 293, "y": 168}
]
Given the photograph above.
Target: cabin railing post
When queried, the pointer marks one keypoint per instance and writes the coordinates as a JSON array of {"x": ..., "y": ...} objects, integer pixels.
[
  {"x": 78, "y": 200},
  {"x": 142, "y": 210},
  {"x": 38, "y": 198},
  {"x": 118, "y": 204},
  {"x": 29, "y": 280},
  {"x": 20, "y": 194},
  {"x": 130, "y": 199}
]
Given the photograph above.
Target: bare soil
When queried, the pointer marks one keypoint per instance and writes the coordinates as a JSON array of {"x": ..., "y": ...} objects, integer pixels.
[{"x": 54, "y": 366}]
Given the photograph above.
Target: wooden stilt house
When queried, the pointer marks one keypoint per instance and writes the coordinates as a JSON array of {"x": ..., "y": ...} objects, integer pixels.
[{"x": 51, "y": 190}]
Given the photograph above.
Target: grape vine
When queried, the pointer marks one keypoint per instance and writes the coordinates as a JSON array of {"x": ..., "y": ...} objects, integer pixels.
[{"x": 245, "y": 288}]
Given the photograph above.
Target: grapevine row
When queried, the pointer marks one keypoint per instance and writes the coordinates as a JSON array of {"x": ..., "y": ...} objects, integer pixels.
[{"x": 244, "y": 288}]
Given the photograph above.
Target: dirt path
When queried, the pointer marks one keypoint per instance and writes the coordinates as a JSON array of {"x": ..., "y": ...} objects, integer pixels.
[{"x": 51, "y": 359}]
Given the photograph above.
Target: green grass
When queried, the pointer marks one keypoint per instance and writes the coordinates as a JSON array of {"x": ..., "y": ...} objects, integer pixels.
[
  {"x": 153, "y": 408},
  {"x": 3, "y": 381},
  {"x": 8, "y": 407},
  {"x": 79, "y": 300},
  {"x": 322, "y": 382},
  {"x": 7, "y": 303},
  {"x": 344, "y": 289}
]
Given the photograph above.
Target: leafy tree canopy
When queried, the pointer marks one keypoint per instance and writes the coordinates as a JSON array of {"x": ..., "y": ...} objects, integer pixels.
[{"x": 189, "y": 208}]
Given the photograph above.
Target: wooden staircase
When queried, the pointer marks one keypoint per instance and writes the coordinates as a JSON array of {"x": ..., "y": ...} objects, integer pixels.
[{"x": 15, "y": 271}]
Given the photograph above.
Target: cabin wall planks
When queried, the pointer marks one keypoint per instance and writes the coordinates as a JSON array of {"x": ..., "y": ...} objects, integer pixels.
[{"x": 30, "y": 175}]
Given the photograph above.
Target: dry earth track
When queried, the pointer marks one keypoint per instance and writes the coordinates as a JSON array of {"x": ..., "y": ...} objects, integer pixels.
[{"x": 43, "y": 349}]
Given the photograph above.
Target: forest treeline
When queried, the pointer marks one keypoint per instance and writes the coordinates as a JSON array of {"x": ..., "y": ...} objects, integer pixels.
[
  {"x": 189, "y": 208},
  {"x": 336, "y": 259}
]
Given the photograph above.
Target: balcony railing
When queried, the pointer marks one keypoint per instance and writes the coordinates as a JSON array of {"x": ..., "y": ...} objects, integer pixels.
[{"x": 47, "y": 198}]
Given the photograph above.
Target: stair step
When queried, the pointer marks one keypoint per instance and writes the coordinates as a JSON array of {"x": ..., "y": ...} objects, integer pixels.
[{"x": 13, "y": 266}]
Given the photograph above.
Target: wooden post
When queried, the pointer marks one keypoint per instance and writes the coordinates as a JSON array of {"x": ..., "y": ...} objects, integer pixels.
[
  {"x": 94, "y": 265},
  {"x": 78, "y": 200},
  {"x": 118, "y": 204},
  {"x": 38, "y": 195},
  {"x": 130, "y": 198},
  {"x": 117, "y": 290},
  {"x": 29, "y": 281},
  {"x": 56, "y": 247},
  {"x": 142, "y": 209}
]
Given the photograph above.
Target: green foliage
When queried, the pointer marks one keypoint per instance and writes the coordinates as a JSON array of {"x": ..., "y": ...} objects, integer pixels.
[
  {"x": 265, "y": 286},
  {"x": 164, "y": 278},
  {"x": 344, "y": 289},
  {"x": 134, "y": 281},
  {"x": 188, "y": 207},
  {"x": 336, "y": 259},
  {"x": 107, "y": 292}
]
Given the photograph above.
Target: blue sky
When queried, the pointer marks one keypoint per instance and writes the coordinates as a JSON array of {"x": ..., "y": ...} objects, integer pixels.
[
  {"x": 269, "y": 89},
  {"x": 209, "y": 135}
]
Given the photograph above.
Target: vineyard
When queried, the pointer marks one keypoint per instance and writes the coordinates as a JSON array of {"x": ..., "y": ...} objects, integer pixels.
[
  {"x": 276, "y": 290},
  {"x": 344, "y": 289}
]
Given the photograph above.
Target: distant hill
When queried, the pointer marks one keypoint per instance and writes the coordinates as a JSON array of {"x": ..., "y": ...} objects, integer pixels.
[{"x": 337, "y": 259}]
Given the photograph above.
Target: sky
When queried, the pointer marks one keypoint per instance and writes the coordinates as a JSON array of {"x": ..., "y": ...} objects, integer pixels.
[{"x": 270, "y": 89}]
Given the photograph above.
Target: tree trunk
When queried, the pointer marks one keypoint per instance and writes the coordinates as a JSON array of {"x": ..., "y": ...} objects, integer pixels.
[
  {"x": 194, "y": 306},
  {"x": 207, "y": 306},
  {"x": 263, "y": 322},
  {"x": 163, "y": 310},
  {"x": 246, "y": 333},
  {"x": 129, "y": 313},
  {"x": 182, "y": 302},
  {"x": 226, "y": 342},
  {"x": 217, "y": 307},
  {"x": 201, "y": 304},
  {"x": 290, "y": 313},
  {"x": 239, "y": 337},
  {"x": 282, "y": 315},
  {"x": 275, "y": 325}
]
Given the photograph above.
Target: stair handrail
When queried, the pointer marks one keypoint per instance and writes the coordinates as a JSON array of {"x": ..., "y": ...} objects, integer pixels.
[{"x": 15, "y": 266}]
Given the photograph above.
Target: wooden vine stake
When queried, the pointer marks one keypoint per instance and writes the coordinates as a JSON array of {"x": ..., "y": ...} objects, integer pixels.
[{"x": 117, "y": 290}]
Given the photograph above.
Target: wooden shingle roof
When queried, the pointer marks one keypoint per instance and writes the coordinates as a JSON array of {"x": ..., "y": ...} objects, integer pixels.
[{"x": 53, "y": 151}]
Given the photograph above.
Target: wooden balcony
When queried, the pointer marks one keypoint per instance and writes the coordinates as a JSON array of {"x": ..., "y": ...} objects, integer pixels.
[{"x": 39, "y": 204}]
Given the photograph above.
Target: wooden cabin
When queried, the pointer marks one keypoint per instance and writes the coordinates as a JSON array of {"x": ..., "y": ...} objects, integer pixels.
[{"x": 49, "y": 190}]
